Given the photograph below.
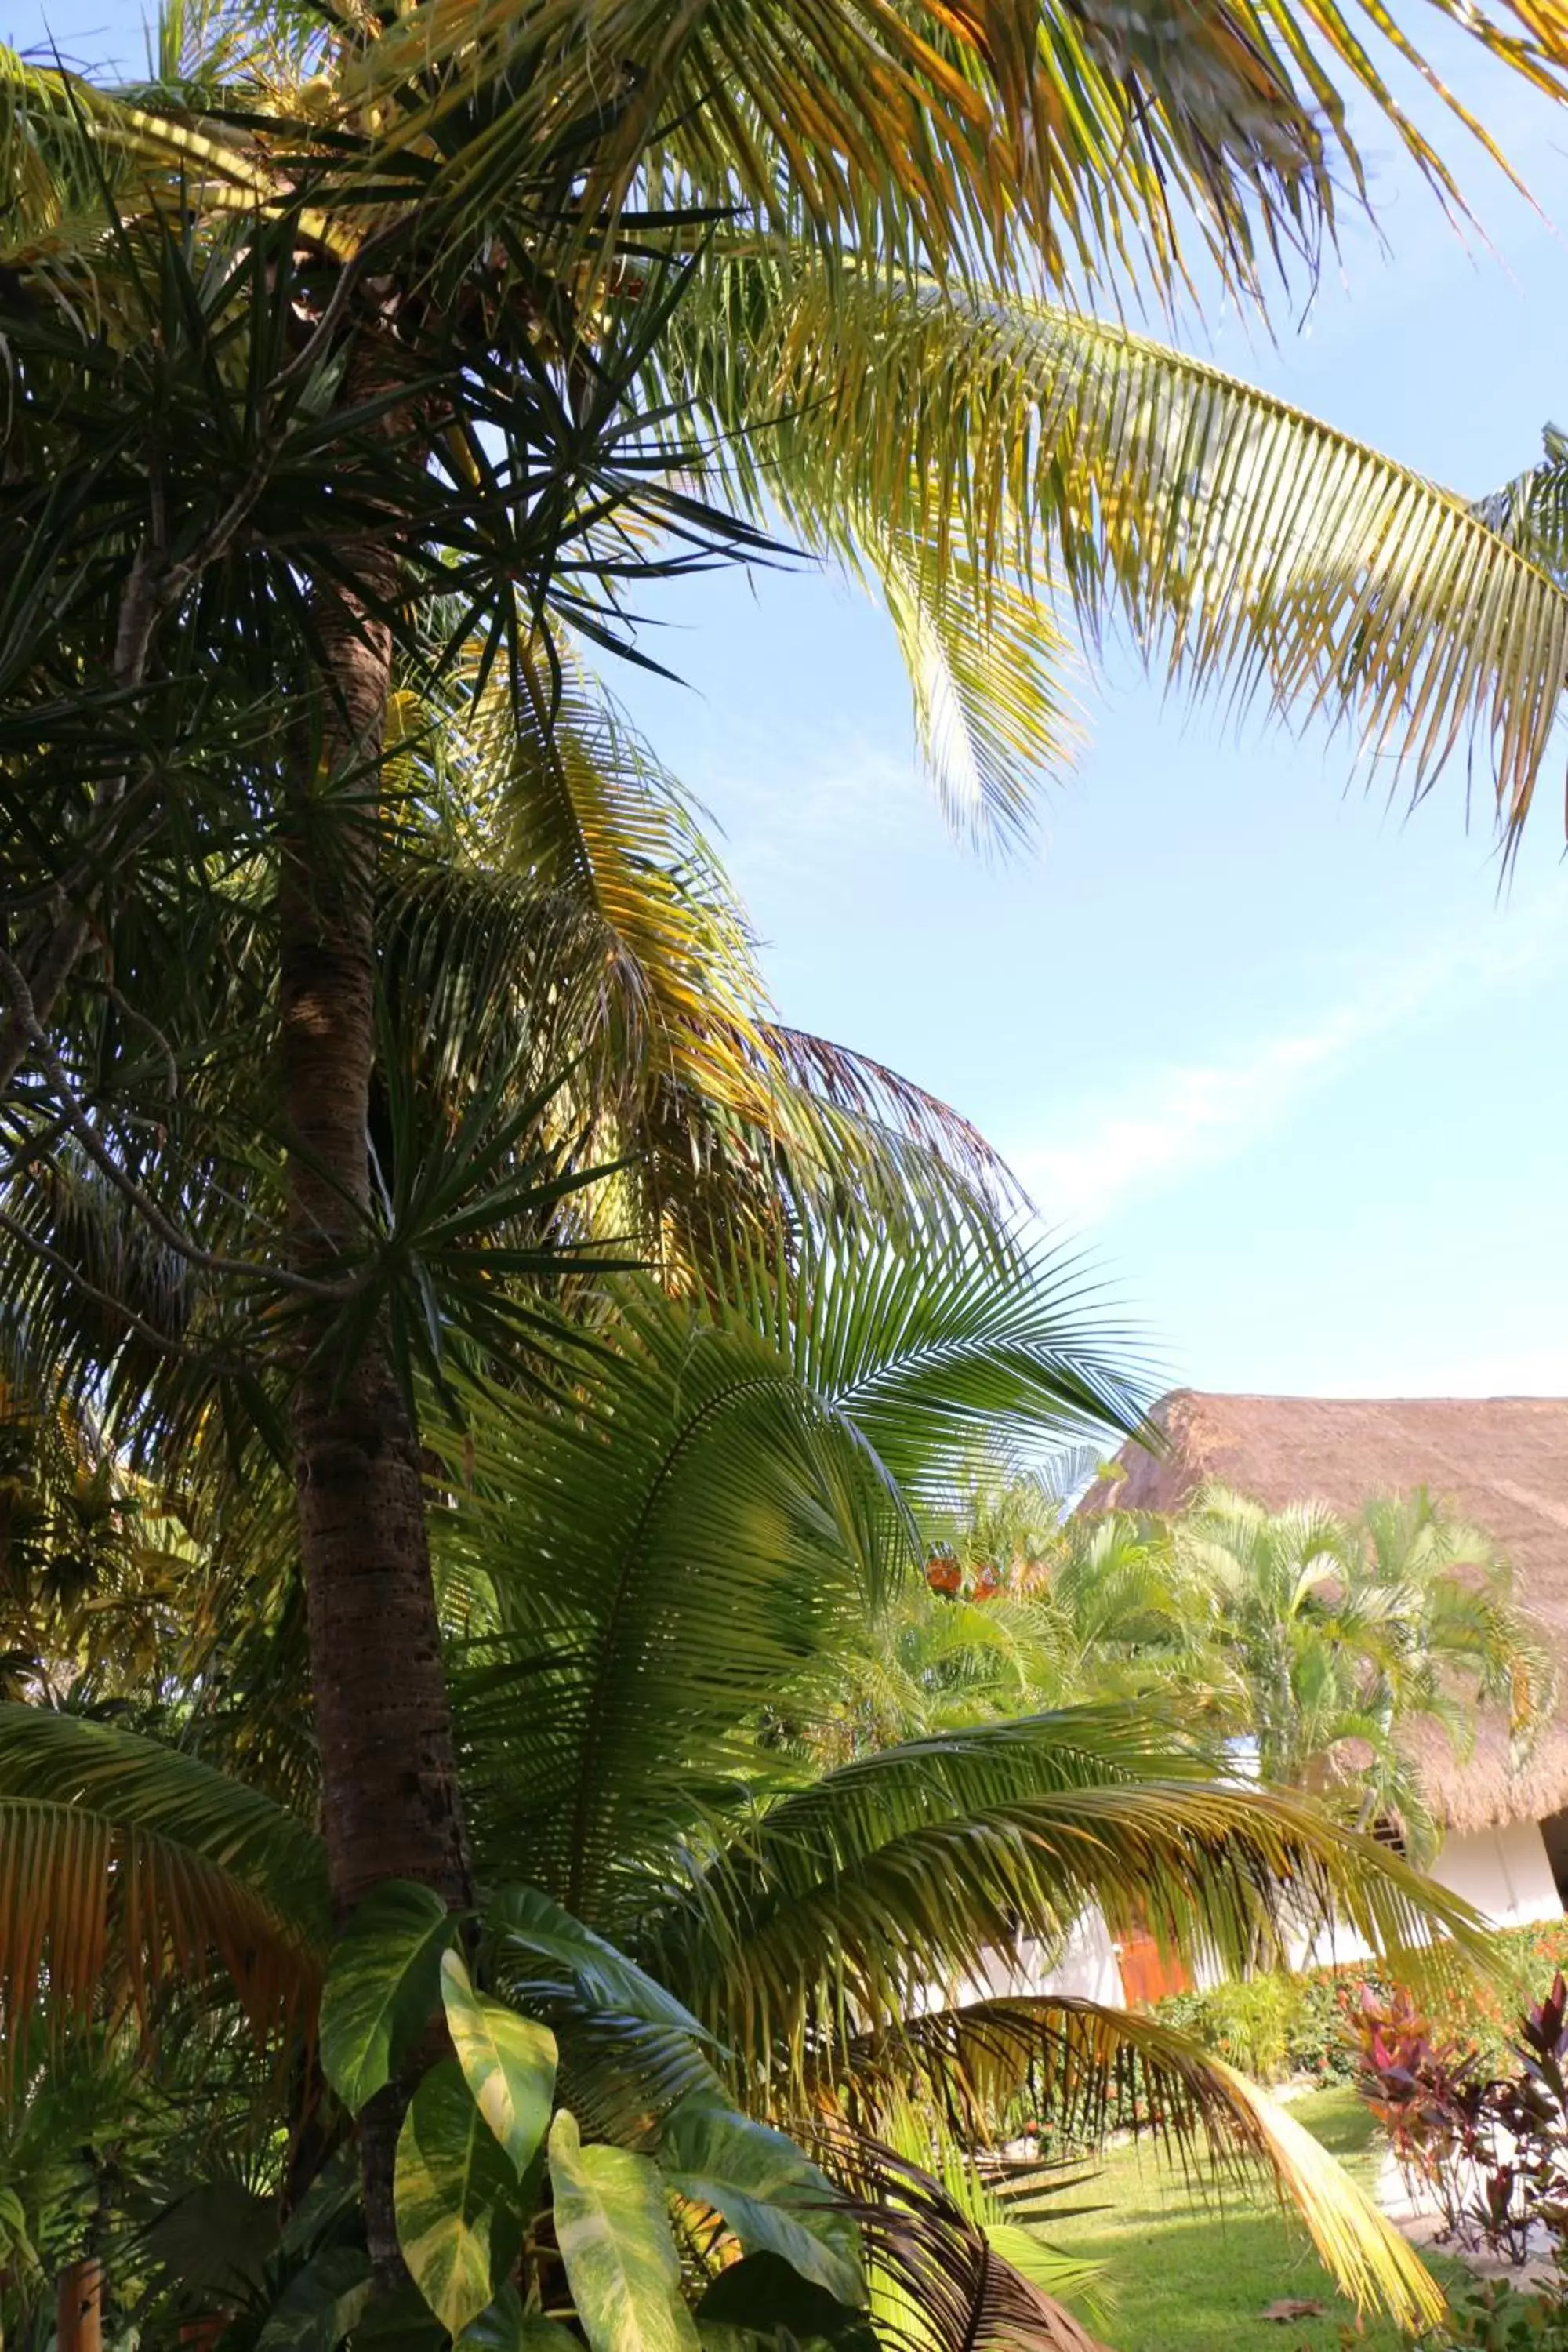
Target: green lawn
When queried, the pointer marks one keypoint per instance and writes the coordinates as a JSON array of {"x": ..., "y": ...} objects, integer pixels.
[{"x": 1191, "y": 2277}]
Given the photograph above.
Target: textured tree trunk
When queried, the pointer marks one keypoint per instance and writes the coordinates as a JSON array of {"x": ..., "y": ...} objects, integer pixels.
[
  {"x": 389, "y": 1784},
  {"x": 78, "y": 2307}
]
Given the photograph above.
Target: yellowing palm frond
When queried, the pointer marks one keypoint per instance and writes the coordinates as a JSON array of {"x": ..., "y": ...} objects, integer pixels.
[
  {"x": 580, "y": 918},
  {"x": 985, "y": 659},
  {"x": 126, "y": 1867},
  {"x": 1075, "y": 2059},
  {"x": 904, "y": 1870},
  {"x": 927, "y": 132},
  {"x": 1247, "y": 545}
]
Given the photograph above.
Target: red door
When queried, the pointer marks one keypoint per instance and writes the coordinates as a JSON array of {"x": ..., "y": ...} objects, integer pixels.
[{"x": 1147, "y": 1974}]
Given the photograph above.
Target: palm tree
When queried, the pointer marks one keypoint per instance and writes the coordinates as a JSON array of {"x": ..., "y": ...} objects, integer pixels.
[
  {"x": 1021, "y": 1607},
  {"x": 640, "y": 1579},
  {"x": 1339, "y": 1635},
  {"x": 347, "y": 346}
]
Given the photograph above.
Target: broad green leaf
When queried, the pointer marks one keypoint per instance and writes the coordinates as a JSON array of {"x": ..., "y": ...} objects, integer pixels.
[
  {"x": 505, "y": 2327},
  {"x": 453, "y": 2191},
  {"x": 320, "y": 2304},
  {"x": 582, "y": 1964},
  {"x": 508, "y": 2062},
  {"x": 612, "y": 2224},
  {"x": 774, "y": 2198},
  {"x": 761, "y": 2295},
  {"x": 403, "y": 2322},
  {"x": 380, "y": 1988}
]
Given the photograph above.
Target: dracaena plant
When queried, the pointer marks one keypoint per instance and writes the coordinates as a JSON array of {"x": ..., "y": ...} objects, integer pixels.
[{"x": 353, "y": 341}]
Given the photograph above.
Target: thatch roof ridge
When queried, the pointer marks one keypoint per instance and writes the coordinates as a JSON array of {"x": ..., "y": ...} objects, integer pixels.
[{"x": 1500, "y": 1463}]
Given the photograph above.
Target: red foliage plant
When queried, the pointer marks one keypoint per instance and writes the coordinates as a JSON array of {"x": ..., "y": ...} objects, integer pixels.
[{"x": 1491, "y": 2150}]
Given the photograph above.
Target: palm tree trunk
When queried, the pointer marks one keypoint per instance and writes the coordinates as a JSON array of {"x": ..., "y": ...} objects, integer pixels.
[
  {"x": 78, "y": 2307},
  {"x": 389, "y": 1783}
]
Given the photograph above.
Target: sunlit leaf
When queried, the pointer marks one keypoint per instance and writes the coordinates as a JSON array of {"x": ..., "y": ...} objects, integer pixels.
[
  {"x": 454, "y": 2191},
  {"x": 380, "y": 1988},
  {"x": 772, "y": 2196},
  {"x": 508, "y": 2062},
  {"x": 612, "y": 2228}
]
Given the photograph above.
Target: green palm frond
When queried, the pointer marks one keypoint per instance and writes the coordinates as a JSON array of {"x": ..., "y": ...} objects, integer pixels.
[
  {"x": 1531, "y": 511},
  {"x": 126, "y": 1866},
  {"x": 663, "y": 1561},
  {"x": 940, "y": 1351},
  {"x": 734, "y": 1486},
  {"x": 1078, "y": 2062},
  {"x": 906, "y": 1869},
  {"x": 1336, "y": 1637},
  {"x": 1243, "y": 543}
]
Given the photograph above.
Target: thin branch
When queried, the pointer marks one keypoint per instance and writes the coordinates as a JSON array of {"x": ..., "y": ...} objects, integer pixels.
[
  {"x": 25, "y": 1020},
  {"x": 61, "y": 1264},
  {"x": 154, "y": 586}
]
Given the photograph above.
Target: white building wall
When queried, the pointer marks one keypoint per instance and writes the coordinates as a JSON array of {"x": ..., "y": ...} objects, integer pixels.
[
  {"x": 1504, "y": 1873},
  {"x": 1086, "y": 1970}
]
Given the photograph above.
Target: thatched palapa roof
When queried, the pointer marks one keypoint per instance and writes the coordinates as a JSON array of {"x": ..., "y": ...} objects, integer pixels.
[{"x": 1500, "y": 1463}]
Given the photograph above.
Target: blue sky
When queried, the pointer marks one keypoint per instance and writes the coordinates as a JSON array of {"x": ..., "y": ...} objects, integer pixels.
[{"x": 1279, "y": 1056}]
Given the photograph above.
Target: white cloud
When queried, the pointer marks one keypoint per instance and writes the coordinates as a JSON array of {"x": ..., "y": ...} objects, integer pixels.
[{"x": 1173, "y": 1122}]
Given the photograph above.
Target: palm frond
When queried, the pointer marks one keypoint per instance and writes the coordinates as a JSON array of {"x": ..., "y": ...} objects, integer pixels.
[
  {"x": 1083, "y": 2065},
  {"x": 1242, "y": 542},
  {"x": 986, "y": 663},
  {"x": 960, "y": 1344},
  {"x": 939, "y": 2283},
  {"x": 579, "y": 805},
  {"x": 664, "y": 1561},
  {"x": 568, "y": 902},
  {"x": 735, "y": 1484},
  {"x": 125, "y": 1865},
  {"x": 907, "y": 1872},
  {"x": 923, "y": 133},
  {"x": 1531, "y": 511},
  {"x": 866, "y": 1112}
]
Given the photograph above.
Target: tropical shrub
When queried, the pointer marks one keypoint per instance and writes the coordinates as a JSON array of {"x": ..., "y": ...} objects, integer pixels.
[
  {"x": 1286, "y": 2025},
  {"x": 1253, "y": 2022},
  {"x": 1431, "y": 2099},
  {"x": 1503, "y": 2146},
  {"x": 646, "y": 1582},
  {"x": 1496, "y": 2315}
]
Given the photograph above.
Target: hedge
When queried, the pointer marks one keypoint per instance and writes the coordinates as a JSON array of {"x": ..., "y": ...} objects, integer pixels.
[{"x": 1277, "y": 2027}]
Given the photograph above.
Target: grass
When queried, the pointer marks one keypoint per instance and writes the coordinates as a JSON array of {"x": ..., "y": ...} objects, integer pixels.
[{"x": 1185, "y": 2276}]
